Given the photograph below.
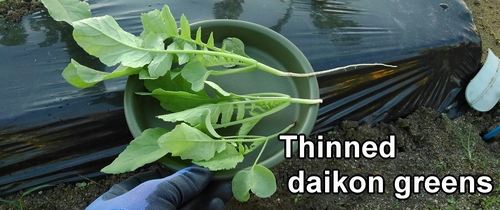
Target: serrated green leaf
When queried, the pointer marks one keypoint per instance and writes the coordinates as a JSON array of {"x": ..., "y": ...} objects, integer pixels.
[
  {"x": 81, "y": 76},
  {"x": 171, "y": 83},
  {"x": 177, "y": 101},
  {"x": 226, "y": 113},
  {"x": 240, "y": 114},
  {"x": 159, "y": 22},
  {"x": 185, "y": 29},
  {"x": 196, "y": 74},
  {"x": 102, "y": 37},
  {"x": 192, "y": 116},
  {"x": 195, "y": 116},
  {"x": 160, "y": 65},
  {"x": 227, "y": 159},
  {"x": 247, "y": 126},
  {"x": 175, "y": 44},
  {"x": 217, "y": 88},
  {"x": 223, "y": 110},
  {"x": 235, "y": 46},
  {"x": 144, "y": 75},
  {"x": 258, "y": 179},
  {"x": 154, "y": 41},
  {"x": 178, "y": 44},
  {"x": 206, "y": 125},
  {"x": 190, "y": 143},
  {"x": 210, "y": 41},
  {"x": 152, "y": 22},
  {"x": 198, "y": 37},
  {"x": 141, "y": 151},
  {"x": 210, "y": 60},
  {"x": 216, "y": 111},
  {"x": 184, "y": 59},
  {"x": 68, "y": 11},
  {"x": 241, "y": 148},
  {"x": 171, "y": 24}
]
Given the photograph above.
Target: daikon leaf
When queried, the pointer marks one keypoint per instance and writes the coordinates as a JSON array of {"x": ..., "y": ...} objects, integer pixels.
[
  {"x": 141, "y": 151},
  {"x": 218, "y": 89},
  {"x": 81, "y": 76},
  {"x": 227, "y": 159},
  {"x": 159, "y": 22},
  {"x": 258, "y": 179},
  {"x": 235, "y": 45},
  {"x": 160, "y": 65},
  {"x": 102, "y": 37},
  {"x": 196, "y": 74},
  {"x": 68, "y": 11},
  {"x": 177, "y": 101},
  {"x": 175, "y": 68},
  {"x": 190, "y": 143},
  {"x": 246, "y": 127},
  {"x": 185, "y": 29}
]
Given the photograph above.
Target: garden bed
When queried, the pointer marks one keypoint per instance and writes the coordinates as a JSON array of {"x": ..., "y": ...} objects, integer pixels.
[{"x": 428, "y": 144}]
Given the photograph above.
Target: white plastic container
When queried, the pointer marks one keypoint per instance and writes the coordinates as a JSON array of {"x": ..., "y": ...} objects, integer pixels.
[{"x": 483, "y": 91}]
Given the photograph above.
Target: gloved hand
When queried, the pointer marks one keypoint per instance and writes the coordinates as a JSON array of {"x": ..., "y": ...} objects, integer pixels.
[{"x": 146, "y": 191}]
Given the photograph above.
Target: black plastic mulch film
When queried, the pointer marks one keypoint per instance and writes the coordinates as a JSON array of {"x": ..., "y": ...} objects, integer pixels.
[{"x": 51, "y": 132}]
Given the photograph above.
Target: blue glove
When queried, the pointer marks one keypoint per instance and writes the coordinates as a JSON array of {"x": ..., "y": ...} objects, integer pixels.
[{"x": 146, "y": 191}]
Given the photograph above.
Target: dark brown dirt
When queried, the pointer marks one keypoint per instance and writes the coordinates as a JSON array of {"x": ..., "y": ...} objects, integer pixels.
[
  {"x": 428, "y": 143},
  {"x": 14, "y": 10}
]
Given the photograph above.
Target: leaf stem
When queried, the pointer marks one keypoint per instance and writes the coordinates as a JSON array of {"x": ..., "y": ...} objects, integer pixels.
[
  {"x": 274, "y": 71},
  {"x": 224, "y": 139},
  {"x": 279, "y": 96},
  {"x": 270, "y": 137},
  {"x": 305, "y": 101},
  {"x": 232, "y": 71},
  {"x": 277, "y": 72},
  {"x": 250, "y": 62},
  {"x": 245, "y": 60},
  {"x": 260, "y": 116}
]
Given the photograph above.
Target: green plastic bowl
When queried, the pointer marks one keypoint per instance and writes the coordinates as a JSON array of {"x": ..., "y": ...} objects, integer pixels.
[{"x": 264, "y": 45}]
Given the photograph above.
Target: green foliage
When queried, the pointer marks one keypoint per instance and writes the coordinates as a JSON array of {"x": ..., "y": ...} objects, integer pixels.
[
  {"x": 81, "y": 76},
  {"x": 190, "y": 143},
  {"x": 297, "y": 198},
  {"x": 176, "y": 75},
  {"x": 104, "y": 38},
  {"x": 226, "y": 159},
  {"x": 176, "y": 101},
  {"x": 235, "y": 45},
  {"x": 258, "y": 179},
  {"x": 81, "y": 184},
  {"x": 142, "y": 150},
  {"x": 68, "y": 11}
]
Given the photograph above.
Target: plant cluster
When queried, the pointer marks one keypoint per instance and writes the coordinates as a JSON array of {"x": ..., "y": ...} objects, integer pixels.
[{"x": 177, "y": 75}]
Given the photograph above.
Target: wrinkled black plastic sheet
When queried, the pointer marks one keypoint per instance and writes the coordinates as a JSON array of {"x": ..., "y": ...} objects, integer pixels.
[{"x": 51, "y": 132}]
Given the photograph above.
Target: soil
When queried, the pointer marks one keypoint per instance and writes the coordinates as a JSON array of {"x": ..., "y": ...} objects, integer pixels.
[
  {"x": 428, "y": 144},
  {"x": 14, "y": 10}
]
